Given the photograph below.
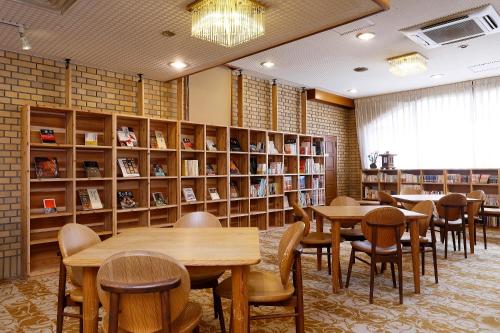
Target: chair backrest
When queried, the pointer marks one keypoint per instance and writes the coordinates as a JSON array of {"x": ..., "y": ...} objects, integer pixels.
[
  {"x": 406, "y": 190},
  {"x": 383, "y": 226},
  {"x": 344, "y": 201},
  {"x": 142, "y": 312},
  {"x": 424, "y": 207},
  {"x": 301, "y": 214},
  {"x": 289, "y": 241},
  {"x": 386, "y": 199},
  {"x": 451, "y": 206},
  {"x": 73, "y": 238},
  {"x": 476, "y": 206},
  {"x": 198, "y": 220}
]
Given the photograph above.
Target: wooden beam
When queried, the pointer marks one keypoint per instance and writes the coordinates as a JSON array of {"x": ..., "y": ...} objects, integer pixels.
[
  {"x": 140, "y": 96},
  {"x": 180, "y": 98},
  {"x": 240, "y": 100},
  {"x": 274, "y": 106},
  {"x": 303, "y": 112},
  {"x": 329, "y": 98},
  {"x": 68, "y": 87}
]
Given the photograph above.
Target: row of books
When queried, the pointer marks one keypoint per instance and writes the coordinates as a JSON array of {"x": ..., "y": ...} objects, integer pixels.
[
  {"x": 318, "y": 182},
  {"x": 410, "y": 178},
  {"x": 388, "y": 178},
  {"x": 287, "y": 183},
  {"x": 317, "y": 198},
  {"x": 433, "y": 178},
  {"x": 190, "y": 168},
  {"x": 369, "y": 178},
  {"x": 484, "y": 179},
  {"x": 258, "y": 189},
  {"x": 47, "y": 135},
  {"x": 370, "y": 193},
  {"x": 491, "y": 200},
  {"x": 274, "y": 188},
  {"x": 259, "y": 147},
  {"x": 310, "y": 166},
  {"x": 276, "y": 168},
  {"x": 455, "y": 178}
]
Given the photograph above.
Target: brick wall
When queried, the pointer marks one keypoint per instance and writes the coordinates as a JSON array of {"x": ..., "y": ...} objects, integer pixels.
[{"x": 27, "y": 80}]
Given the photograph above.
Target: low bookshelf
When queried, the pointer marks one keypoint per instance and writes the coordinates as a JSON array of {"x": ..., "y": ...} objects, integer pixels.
[{"x": 245, "y": 177}]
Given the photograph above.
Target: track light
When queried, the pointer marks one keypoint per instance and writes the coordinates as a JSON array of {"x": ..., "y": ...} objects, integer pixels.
[{"x": 25, "y": 44}]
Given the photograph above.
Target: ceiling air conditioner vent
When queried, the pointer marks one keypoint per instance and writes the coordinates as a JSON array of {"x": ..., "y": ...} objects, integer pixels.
[{"x": 456, "y": 28}]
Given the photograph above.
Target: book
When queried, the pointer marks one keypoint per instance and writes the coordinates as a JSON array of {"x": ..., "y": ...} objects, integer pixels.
[
  {"x": 257, "y": 147},
  {"x": 288, "y": 185},
  {"x": 128, "y": 167},
  {"x": 47, "y": 135},
  {"x": 160, "y": 140},
  {"x": 233, "y": 190},
  {"x": 211, "y": 169},
  {"x": 158, "y": 199},
  {"x": 187, "y": 144},
  {"x": 272, "y": 148},
  {"x": 188, "y": 194},
  {"x": 484, "y": 179},
  {"x": 84, "y": 199},
  {"x": 233, "y": 169},
  {"x": 126, "y": 137},
  {"x": 90, "y": 199},
  {"x": 46, "y": 167},
  {"x": 90, "y": 139},
  {"x": 290, "y": 146},
  {"x": 91, "y": 169},
  {"x": 258, "y": 188},
  {"x": 214, "y": 195},
  {"x": 234, "y": 144},
  {"x": 158, "y": 170},
  {"x": 126, "y": 199},
  {"x": 286, "y": 204},
  {"x": 211, "y": 145},
  {"x": 49, "y": 206},
  {"x": 190, "y": 168}
]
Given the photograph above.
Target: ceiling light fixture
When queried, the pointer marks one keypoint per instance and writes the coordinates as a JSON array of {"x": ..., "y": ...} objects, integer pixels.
[
  {"x": 267, "y": 64},
  {"x": 437, "y": 76},
  {"x": 365, "y": 36},
  {"x": 25, "y": 44},
  {"x": 178, "y": 64},
  {"x": 352, "y": 91},
  {"x": 407, "y": 64},
  {"x": 360, "y": 69},
  {"x": 227, "y": 22}
]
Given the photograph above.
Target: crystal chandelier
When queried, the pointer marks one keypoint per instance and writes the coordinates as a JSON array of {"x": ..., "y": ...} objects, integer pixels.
[
  {"x": 407, "y": 64},
  {"x": 227, "y": 22}
]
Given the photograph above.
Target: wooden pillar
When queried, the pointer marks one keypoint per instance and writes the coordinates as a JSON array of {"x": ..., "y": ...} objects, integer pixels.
[
  {"x": 274, "y": 106},
  {"x": 140, "y": 96},
  {"x": 240, "y": 99},
  {"x": 181, "y": 98},
  {"x": 303, "y": 111},
  {"x": 68, "y": 88}
]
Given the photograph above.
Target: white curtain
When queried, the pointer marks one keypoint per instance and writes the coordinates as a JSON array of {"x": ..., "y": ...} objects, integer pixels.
[{"x": 451, "y": 126}]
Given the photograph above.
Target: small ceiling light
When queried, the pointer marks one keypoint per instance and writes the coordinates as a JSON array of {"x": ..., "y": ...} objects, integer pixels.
[
  {"x": 168, "y": 33},
  {"x": 437, "y": 76},
  {"x": 352, "y": 91},
  {"x": 463, "y": 46},
  {"x": 407, "y": 64},
  {"x": 267, "y": 64},
  {"x": 360, "y": 69},
  {"x": 366, "y": 35},
  {"x": 178, "y": 64},
  {"x": 25, "y": 44}
]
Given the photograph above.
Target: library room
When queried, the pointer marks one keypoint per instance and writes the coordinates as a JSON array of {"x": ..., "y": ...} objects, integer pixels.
[{"x": 249, "y": 166}]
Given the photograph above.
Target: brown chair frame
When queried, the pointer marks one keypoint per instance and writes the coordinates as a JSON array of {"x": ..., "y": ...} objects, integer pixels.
[
  {"x": 386, "y": 199},
  {"x": 458, "y": 228},
  {"x": 64, "y": 299},
  {"x": 480, "y": 217}
]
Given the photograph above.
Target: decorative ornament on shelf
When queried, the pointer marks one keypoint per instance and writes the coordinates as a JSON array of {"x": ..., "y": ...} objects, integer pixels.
[
  {"x": 387, "y": 160},
  {"x": 373, "y": 159}
]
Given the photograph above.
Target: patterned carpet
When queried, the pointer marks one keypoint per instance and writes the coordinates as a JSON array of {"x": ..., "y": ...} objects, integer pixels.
[{"x": 467, "y": 298}]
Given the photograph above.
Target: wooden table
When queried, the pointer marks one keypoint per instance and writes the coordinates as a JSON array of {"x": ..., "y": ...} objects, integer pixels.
[
  {"x": 416, "y": 198},
  {"x": 338, "y": 215},
  {"x": 232, "y": 248}
]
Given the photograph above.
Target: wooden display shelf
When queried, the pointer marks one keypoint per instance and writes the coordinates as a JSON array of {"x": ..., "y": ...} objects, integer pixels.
[{"x": 94, "y": 147}]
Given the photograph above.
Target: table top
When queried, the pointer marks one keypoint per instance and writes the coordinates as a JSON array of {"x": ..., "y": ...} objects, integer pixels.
[
  {"x": 358, "y": 212},
  {"x": 222, "y": 247},
  {"x": 415, "y": 198}
]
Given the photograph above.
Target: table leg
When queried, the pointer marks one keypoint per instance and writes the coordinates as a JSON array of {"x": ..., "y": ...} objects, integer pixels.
[
  {"x": 90, "y": 300},
  {"x": 470, "y": 216},
  {"x": 319, "y": 251},
  {"x": 415, "y": 252},
  {"x": 335, "y": 256},
  {"x": 239, "y": 275}
]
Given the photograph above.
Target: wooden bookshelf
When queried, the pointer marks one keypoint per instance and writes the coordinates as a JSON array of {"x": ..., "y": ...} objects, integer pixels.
[
  {"x": 267, "y": 210},
  {"x": 439, "y": 181}
]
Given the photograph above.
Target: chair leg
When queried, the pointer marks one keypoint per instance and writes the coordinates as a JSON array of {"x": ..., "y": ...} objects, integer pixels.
[
  {"x": 459, "y": 236},
  {"x": 328, "y": 257},
  {"x": 453, "y": 238},
  {"x": 465, "y": 240},
  {"x": 484, "y": 235},
  {"x": 219, "y": 311},
  {"x": 434, "y": 259},
  {"x": 393, "y": 275},
  {"x": 81, "y": 317},
  {"x": 422, "y": 251},
  {"x": 196, "y": 329},
  {"x": 340, "y": 277},
  {"x": 61, "y": 297},
  {"x": 446, "y": 243},
  {"x": 475, "y": 233},
  {"x": 349, "y": 270},
  {"x": 372, "y": 277},
  {"x": 441, "y": 235},
  {"x": 400, "y": 276},
  {"x": 214, "y": 295},
  {"x": 319, "y": 258}
]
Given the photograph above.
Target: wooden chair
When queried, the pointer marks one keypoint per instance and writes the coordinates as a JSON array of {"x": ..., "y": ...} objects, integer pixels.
[
  {"x": 383, "y": 228},
  {"x": 386, "y": 199},
  {"x": 405, "y": 190},
  {"x": 72, "y": 238},
  {"x": 451, "y": 209},
  {"x": 275, "y": 289},
  {"x": 427, "y": 208},
  {"x": 314, "y": 240},
  {"x": 204, "y": 277},
  {"x": 479, "y": 217},
  {"x": 347, "y": 232},
  {"x": 144, "y": 291}
]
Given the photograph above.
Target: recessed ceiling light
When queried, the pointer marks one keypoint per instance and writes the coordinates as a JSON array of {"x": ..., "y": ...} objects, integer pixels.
[
  {"x": 178, "y": 64},
  {"x": 463, "y": 46},
  {"x": 360, "y": 69},
  {"x": 352, "y": 91},
  {"x": 437, "y": 76},
  {"x": 168, "y": 33},
  {"x": 366, "y": 35},
  {"x": 267, "y": 64}
]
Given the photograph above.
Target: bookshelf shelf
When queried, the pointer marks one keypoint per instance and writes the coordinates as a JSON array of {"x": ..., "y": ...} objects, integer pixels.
[{"x": 158, "y": 145}]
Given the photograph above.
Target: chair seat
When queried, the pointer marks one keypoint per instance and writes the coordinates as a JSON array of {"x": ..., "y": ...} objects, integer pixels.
[
  {"x": 76, "y": 295},
  {"x": 366, "y": 246},
  {"x": 262, "y": 287},
  {"x": 201, "y": 275},
  {"x": 317, "y": 238},
  {"x": 406, "y": 239},
  {"x": 350, "y": 234},
  {"x": 187, "y": 321},
  {"x": 441, "y": 222}
]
